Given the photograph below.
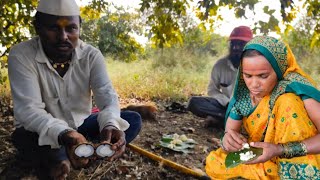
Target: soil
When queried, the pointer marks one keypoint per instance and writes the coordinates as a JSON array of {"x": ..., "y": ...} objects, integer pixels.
[{"x": 132, "y": 165}]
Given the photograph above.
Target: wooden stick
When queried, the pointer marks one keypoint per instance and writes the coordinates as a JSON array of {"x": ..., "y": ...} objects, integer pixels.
[{"x": 167, "y": 162}]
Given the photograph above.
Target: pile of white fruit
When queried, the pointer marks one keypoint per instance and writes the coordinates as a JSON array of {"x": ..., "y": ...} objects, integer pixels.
[
  {"x": 247, "y": 155},
  {"x": 178, "y": 140}
]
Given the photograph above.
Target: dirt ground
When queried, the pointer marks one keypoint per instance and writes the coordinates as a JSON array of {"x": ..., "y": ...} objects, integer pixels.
[{"x": 132, "y": 165}]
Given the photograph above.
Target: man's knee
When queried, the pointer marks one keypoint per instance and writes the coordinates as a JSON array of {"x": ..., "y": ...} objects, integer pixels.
[
  {"x": 23, "y": 139},
  {"x": 135, "y": 121},
  {"x": 193, "y": 103},
  {"x": 133, "y": 118}
]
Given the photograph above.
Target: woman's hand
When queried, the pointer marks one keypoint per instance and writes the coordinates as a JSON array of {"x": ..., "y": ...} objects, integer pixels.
[
  {"x": 117, "y": 138},
  {"x": 233, "y": 141},
  {"x": 269, "y": 151},
  {"x": 71, "y": 140}
]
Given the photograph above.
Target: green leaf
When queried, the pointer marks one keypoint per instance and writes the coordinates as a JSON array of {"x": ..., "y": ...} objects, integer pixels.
[
  {"x": 166, "y": 139},
  {"x": 233, "y": 158},
  {"x": 183, "y": 146}
]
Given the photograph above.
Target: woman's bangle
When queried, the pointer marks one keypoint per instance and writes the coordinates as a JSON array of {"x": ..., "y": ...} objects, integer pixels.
[{"x": 293, "y": 149}]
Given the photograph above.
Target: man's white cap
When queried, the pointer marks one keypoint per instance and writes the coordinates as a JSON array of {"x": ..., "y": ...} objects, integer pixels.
[{"x": 59, "y": 7}]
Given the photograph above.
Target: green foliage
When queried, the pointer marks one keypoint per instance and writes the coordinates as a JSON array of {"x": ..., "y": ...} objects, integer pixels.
[
  {"x": 111, "y": 34},
  {"x": 288, "y": 10},
  {"x": 211, "y": 9},
  {"x": 300, "y": 36},
  {"x": 15, "y": 24},
  {"x": 115, "y": 40},
  {"x": 199, "y": 42},
  {"x": 314, "y": 16},
  {"x": 198, "y": 49},
  {"x": 162, "y": 17},
  {"x": 97, "y": 6},
  {"x": 306, "y": 55},
  {"x": 4, "y": 80},
  {"x": 5, "y": 96},
  {"x": 89, "y": 27},
  {"x": 89, "y": 32}
]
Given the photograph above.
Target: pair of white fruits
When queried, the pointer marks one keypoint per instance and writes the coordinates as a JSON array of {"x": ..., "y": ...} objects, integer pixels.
[{"x": 87, "y": 150}]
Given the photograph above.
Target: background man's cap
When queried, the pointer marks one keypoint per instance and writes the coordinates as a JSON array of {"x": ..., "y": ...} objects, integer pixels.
[
  {"x": 59, "y": 7},
  {"x": 243, "y": 33}
]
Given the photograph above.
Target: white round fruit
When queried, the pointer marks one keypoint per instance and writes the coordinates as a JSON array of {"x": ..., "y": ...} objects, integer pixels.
[
  {"x": 104, "y": 150},
  {"x": 84, "y": 150}
]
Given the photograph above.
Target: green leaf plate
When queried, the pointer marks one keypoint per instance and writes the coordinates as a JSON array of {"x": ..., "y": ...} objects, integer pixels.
[
  {"x": 233, "y": 158},
  {"x": 184, "y": 147},
  {"x": 170, "y": 137}
]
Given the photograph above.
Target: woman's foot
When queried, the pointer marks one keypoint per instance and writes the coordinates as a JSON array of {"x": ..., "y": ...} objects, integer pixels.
[{"x": 61, "y": 170}]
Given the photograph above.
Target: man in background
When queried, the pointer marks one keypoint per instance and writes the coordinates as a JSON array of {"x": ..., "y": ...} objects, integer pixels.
[{"x": 213, "y": 107}]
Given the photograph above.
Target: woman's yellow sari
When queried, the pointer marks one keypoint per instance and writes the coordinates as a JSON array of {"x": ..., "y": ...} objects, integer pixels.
[
  {"x": 289, "y": 123},
  {"x": 278, "y": 118}
]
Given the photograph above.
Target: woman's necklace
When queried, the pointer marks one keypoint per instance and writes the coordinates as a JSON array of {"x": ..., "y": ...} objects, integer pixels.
[{"x": 61, "y": 65}]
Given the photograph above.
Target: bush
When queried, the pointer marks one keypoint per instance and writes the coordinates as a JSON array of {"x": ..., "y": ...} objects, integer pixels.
[{"x": 5, "y": 96}]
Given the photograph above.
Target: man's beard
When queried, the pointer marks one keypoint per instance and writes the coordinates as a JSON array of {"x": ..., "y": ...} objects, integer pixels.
[{"x": 235, "y": 60}]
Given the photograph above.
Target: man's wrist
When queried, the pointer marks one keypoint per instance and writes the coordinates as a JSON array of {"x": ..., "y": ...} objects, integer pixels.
[
  {"x": 61, "y": 134},
  {"x": 110, "y": 126}
]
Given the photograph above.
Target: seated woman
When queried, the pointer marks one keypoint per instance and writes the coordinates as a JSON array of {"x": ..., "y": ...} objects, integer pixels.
[{"x": 275, "y": 106}]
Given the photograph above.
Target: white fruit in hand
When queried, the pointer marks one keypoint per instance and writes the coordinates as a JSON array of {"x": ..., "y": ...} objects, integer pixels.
[
  {"x": 84, "y": 150},
  {"x": 104, "y": 150}
]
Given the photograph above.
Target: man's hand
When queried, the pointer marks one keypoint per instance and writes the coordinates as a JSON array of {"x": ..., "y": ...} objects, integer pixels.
[
  {"x": 269, "y": 151},
  {"x": 117, "y": 138},
  {"x": 71, "y": 140}
]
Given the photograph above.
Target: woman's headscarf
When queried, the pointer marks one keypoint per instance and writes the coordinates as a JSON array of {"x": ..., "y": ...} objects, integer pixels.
[{"x": 291, "y": 78}]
